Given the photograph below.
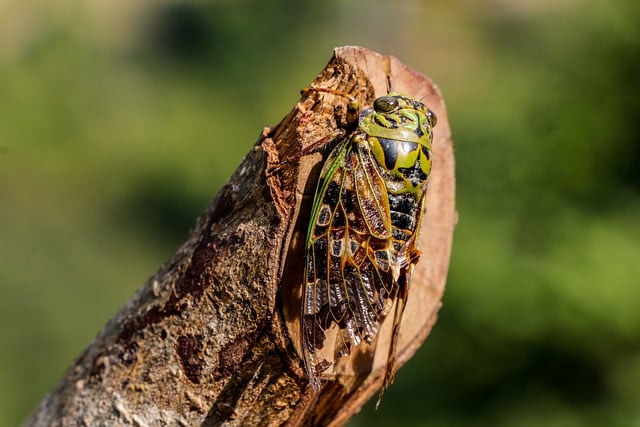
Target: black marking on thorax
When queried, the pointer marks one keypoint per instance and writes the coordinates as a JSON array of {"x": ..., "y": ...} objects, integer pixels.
[{"x": 390, "y": 149}]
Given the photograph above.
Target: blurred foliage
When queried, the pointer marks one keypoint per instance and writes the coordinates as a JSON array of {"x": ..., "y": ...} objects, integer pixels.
[{"x": 119, "y": 121}]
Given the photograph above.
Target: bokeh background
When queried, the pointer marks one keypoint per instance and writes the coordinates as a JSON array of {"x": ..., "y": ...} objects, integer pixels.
[{"x": 120, "y": 120}]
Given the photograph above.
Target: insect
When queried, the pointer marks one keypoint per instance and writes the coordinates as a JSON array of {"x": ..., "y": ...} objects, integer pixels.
[{"x": 364, "y": 228}]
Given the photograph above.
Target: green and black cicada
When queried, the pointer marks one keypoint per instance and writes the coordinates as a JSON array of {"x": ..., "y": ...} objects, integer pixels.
[{"x": 364, "y": 229}]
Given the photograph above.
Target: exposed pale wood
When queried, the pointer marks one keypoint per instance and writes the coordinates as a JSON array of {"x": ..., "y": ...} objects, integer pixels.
[{"x": 212, "y": 338}]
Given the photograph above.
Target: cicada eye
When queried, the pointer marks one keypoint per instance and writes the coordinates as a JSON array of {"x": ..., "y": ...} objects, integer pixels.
[
  {"x": 433, "y": 119},
  {"x": 385, "y": 104}
]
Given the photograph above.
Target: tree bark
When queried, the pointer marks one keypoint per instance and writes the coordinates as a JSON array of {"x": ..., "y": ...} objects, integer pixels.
[{"x": 213, "y": 337}]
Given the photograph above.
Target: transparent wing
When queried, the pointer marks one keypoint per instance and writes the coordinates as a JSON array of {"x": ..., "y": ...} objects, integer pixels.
[{"x": 348, "y": 284}]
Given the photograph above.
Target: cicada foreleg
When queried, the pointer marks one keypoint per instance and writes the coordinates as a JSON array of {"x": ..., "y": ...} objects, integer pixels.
[
  {"x": 309, "y": 149},
  {"x": 353, "y": 106},
  {"x": 352, "y": 121}
]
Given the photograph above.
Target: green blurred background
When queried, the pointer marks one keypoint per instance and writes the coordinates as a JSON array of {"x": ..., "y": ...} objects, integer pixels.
[{"x": 120, "y": 120}]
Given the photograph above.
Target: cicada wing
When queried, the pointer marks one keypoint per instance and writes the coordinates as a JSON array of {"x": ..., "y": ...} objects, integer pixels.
[{"x": 349, "y": 262}]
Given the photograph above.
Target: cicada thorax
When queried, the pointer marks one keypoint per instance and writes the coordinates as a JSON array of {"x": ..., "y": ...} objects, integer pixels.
[{"x": 400, "y": 141}]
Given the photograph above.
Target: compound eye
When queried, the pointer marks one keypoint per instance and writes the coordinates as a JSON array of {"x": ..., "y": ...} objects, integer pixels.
[
  {"x": 433, "y": 119},
  {"x": 385, "y": 104}
]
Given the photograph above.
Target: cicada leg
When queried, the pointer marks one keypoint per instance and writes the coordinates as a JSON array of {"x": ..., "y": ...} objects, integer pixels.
[
  {"x": 309, "y": 149},
  {"x": 353, "y": 106}
]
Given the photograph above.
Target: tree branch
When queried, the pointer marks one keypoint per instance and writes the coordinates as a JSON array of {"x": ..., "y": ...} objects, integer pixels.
[{"x": 213, "y": 337}]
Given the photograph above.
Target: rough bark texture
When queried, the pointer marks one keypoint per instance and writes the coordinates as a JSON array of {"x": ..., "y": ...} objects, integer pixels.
[{"x": 212, "y": 338}]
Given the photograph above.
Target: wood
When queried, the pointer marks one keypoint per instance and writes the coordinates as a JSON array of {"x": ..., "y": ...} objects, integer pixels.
[{"x": 212, "y": 338}]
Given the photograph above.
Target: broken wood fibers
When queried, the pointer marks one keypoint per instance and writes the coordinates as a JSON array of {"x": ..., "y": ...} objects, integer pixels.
[{"x": 212, "y": 338}]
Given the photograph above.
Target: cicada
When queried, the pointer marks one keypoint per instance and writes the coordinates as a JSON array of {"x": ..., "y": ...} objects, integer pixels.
[{"x": 364, "y": 228}]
